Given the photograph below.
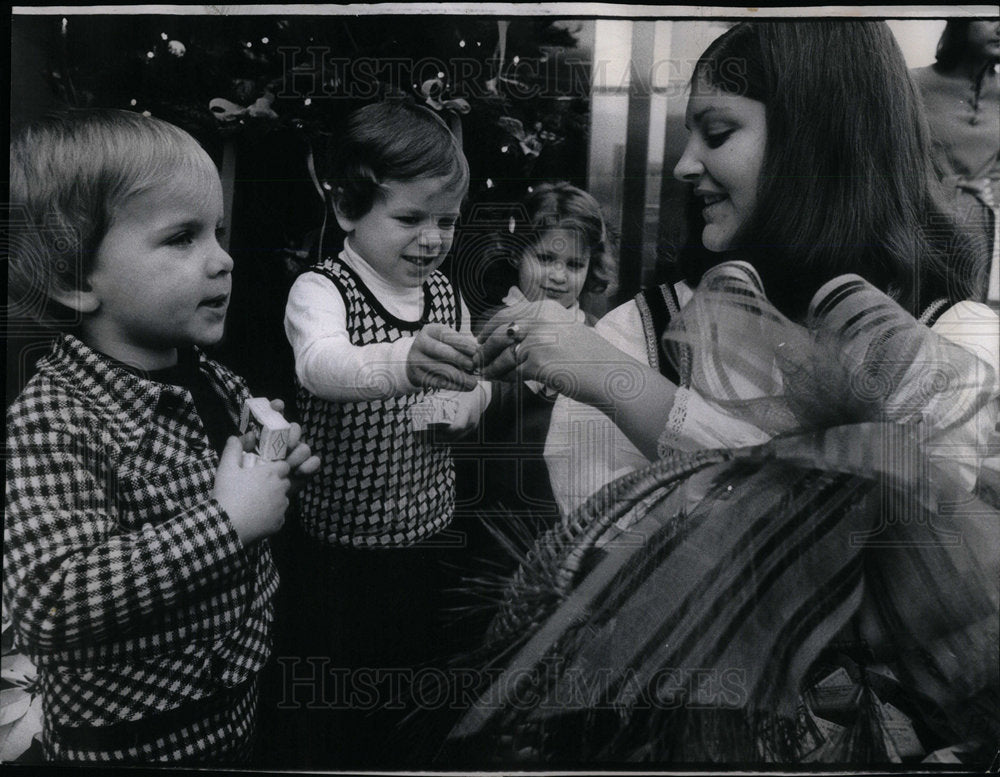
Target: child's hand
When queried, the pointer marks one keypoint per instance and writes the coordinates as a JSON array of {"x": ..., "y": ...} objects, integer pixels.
[
  {"x": 255, "y": 499},
  {"x": 442, "y": 358},
  {"x": 469, "y": 407},
  {"x": 249, "y": 437},
  {"x": 303, "y": 465},
  {"x": 299, "y": 458}
]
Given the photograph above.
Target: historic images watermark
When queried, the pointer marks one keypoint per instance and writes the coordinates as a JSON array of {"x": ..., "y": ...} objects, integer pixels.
[
  {"x": 318, "y": 72},
  {"x": 315, "y": 683}
]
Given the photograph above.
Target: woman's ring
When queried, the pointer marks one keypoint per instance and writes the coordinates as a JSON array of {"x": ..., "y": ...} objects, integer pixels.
[
  {"x": 514, "y": 332},
  {"x": 514, "y": 349}
]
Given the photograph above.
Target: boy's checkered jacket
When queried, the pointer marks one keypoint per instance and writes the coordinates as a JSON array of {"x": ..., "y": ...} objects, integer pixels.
[{"x": 127, "y": 583}]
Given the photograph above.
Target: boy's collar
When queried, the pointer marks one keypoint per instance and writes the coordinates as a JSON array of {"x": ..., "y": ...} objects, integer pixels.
[
  {"x": 120, "y": 392},
  {"x": 357, "y": 262},
  {"x": 178, "y": 374},
  {"x": 98, "y": 374},
  {"x": 350, "y": 253},
  {"x": 114, "y": 392}
]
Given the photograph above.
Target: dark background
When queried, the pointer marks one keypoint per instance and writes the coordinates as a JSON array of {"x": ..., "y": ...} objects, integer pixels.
[{"x": 318, "y": 68}]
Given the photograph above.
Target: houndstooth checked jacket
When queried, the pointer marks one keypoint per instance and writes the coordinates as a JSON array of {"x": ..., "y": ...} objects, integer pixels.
[{"x": 128, "y": 585}]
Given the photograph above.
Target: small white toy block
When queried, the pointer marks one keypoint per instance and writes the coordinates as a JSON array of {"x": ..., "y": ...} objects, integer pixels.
[
  {"x": 271, "y": 427},
  {"x": 432, "y": 412}
]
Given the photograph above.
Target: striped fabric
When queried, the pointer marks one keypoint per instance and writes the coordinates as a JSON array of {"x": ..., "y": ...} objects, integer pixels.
[
  {"x": 746, "y": 588},
  {"x": 715, "y": 615}
]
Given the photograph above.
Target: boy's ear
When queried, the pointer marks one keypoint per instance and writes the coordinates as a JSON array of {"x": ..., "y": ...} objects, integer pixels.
[
  {"x": 345, "y": 223},
  {"x": 82, "y": 300}
]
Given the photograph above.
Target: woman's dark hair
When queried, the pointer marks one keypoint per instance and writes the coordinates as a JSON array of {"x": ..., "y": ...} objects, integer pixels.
[
  {"x": 953, "y": 45},
  {"x": 847, "y": 184}
]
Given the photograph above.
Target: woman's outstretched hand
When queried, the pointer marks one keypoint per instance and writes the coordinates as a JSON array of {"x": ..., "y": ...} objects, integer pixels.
[
  {"x": 519, "y": 339},
  {"x": 543, "y": 341}
]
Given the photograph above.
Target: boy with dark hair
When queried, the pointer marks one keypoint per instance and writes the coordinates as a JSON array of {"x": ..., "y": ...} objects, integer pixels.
[{"x": 381, "y": 340}]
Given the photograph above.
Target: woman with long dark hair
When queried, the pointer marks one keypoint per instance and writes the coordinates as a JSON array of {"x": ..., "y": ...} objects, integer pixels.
[{"x": 808, "y": 595}]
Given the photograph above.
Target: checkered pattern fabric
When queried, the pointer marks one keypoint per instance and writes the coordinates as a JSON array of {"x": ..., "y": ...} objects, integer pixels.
[
  {"x": 381, "y": 485},
  {"x": 221, "y": 737},
  {"x": 128, "y": 585}
]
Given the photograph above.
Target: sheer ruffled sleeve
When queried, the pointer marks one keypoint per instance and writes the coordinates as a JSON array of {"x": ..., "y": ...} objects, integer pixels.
[
  {"x": 694, "y": 424},
  {"x": 899, "y": 370},
  {"x": 858, "y": 357}
]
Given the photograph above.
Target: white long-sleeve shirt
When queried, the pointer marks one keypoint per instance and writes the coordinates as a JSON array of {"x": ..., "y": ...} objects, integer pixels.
[
  {"x": 584, "y": 450},
  {"x": 329, "y": 365}
]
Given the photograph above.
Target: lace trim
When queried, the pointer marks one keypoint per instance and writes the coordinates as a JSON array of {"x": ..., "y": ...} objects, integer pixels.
[{"x": 675, "y": 423}]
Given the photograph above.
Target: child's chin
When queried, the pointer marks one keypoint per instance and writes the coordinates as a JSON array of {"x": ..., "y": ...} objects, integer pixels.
[
  {"x": 209, "y": 338},
  {"x": 416, "y": 281}
]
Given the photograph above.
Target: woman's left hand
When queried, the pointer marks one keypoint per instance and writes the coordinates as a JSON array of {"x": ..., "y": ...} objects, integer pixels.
[
  {"x": 543, "y": 341},
  {"x": 512, "y": 341}
]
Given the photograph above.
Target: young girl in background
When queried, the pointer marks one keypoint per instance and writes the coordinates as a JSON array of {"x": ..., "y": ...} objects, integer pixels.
[
  {"x": 556, "y": 241},
  {"x": 555, "y": 247}
]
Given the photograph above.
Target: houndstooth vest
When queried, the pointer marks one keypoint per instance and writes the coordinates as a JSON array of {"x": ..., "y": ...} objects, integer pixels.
[{"x": 380, "y": 484}]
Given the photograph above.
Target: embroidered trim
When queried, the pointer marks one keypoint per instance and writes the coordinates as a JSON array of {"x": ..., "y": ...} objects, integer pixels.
[
  {"x": 932, "y": 311},
  {"x": 652, "y": 344},
  {"x": 683, "y": 351},
  {"x": 675, "y": 423}
]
